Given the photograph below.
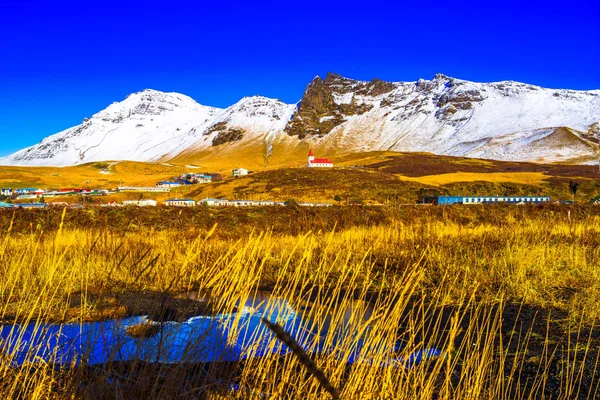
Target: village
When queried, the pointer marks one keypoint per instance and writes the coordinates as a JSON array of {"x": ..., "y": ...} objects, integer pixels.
[
  {"x": 31, "y": 198},
  {"x": 28, "y": 198}
]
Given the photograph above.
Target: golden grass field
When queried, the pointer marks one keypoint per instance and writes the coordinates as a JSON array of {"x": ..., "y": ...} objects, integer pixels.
[
  {"x": 375, "y": 177},
  {"x": 88, "y": 175},
  {"x": 509, "y": 294},
  {"x": 525, "y": 178}
]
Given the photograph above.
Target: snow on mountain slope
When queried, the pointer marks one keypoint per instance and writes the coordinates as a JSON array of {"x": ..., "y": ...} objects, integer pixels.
[
  {"x": 151, "y": 126},
  {"x": 502, "y": 120},
  {"x": 249, "y": 119},
  {"x": 145, "y": 126}
]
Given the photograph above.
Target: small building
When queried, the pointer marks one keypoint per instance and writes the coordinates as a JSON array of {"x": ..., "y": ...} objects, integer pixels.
[
  {"x": 27, "y": 191},
  {"x": 7, "y": 192},
  {"x": 112, "y": 204},
  {"x": 140, "y": 203},
  {"x": 196, "y": 178},
  {"x": 242, "y": 203},
  {"x": 76, "y": 190},
  {"x": 169, "y": 184},
  {"x": 484, "y": 199},
  {"x": 213, "y": 202},
  {"x": 151, "y": 189},
  {"x": 264, "y": 203},
  {"x": 180, "y": 203},
  {"x": 240, "y": 172},
  {"x": 30, "y": 205},
  {"x": 318, "y": 162}
]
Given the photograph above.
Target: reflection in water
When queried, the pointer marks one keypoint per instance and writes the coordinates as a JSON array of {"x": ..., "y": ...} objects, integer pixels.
[{"x": 225, "y": 337}]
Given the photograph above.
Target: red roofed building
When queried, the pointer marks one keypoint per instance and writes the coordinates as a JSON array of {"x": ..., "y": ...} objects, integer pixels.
[{"x": 318, "y": 162}]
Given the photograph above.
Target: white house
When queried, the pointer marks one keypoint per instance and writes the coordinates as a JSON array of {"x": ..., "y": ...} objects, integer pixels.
[
  {"x": 144, "y": 189},
  {"x": 264, "y": 203},
  {"x": 180, "y": 203},
  {"x": 111, "y": 204},
  {"x": 240, "y": 172},
  {"x": 197, "y": 178},
  {"x": 242, "y": 203},
  {"x": 202, "y": 180},
  {"x": 168, "y": 184},
  {"x": 318, "y": 162},
  {"x": 140, "y": 203},
  {"x": 213, "y": 202},
  {"x": 30, "y": 191},
  {"x": 7, "y": 192}
]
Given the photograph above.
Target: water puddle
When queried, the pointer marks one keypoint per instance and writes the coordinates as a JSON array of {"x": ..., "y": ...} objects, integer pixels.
[{"x": 224, "y": 337}]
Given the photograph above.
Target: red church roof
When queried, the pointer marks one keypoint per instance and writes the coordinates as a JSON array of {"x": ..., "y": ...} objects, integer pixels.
[{"x": 318, "y": 160}]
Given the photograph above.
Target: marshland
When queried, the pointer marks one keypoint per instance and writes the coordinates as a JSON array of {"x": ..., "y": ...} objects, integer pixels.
[{"x": 405, "y": 302}]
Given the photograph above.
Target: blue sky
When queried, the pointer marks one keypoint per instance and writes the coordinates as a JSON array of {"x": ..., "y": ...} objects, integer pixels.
[{"x": 62, "y": 60}]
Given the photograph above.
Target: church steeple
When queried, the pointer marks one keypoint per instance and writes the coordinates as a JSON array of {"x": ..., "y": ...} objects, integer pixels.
[{"x": 311, "y": 156}]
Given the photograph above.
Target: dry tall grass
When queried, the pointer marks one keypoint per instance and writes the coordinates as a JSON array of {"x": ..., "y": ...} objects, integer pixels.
[{"x": 512, "y": 306}]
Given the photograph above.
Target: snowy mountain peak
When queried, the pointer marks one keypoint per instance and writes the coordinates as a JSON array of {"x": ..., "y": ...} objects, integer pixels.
[
  {"x": 253, "y": 117},
  {"x": 442, "y": 77},
  {"x": 148, "y": 102}
]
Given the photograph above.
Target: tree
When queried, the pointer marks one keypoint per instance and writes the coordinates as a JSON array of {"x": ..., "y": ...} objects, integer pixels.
[
  {"x": 573, "y": 188},
  {"x": 293, "y": 204},
  {"x": 215, "y": 177},
  {"x": 337, "y": 198}
]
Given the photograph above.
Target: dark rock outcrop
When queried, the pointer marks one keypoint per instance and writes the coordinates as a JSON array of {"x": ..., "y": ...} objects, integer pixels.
[
  {"x": 318, "y": 112},
  {"x": 225, "y": 134}
]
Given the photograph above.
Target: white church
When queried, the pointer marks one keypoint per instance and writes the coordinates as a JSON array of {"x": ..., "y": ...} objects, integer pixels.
[{"x": 318, "y": 162}]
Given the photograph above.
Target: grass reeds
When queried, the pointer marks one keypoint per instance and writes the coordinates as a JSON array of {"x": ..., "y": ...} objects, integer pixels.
[{"x": 511, "y": 301}]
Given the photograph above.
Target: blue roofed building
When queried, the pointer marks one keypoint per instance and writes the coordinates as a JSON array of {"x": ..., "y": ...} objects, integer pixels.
[{"x": 444, "y": 200}]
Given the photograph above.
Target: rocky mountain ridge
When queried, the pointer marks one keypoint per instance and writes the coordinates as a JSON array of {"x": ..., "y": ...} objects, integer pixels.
[{"x": 503, "y": 120}]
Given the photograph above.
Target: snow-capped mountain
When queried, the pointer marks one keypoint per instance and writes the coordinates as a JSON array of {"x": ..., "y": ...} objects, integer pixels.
[
  {"x": 503, "y": 120},
  {"x": 151, "y": 126},
  {"x": 144, "y": 126}
]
